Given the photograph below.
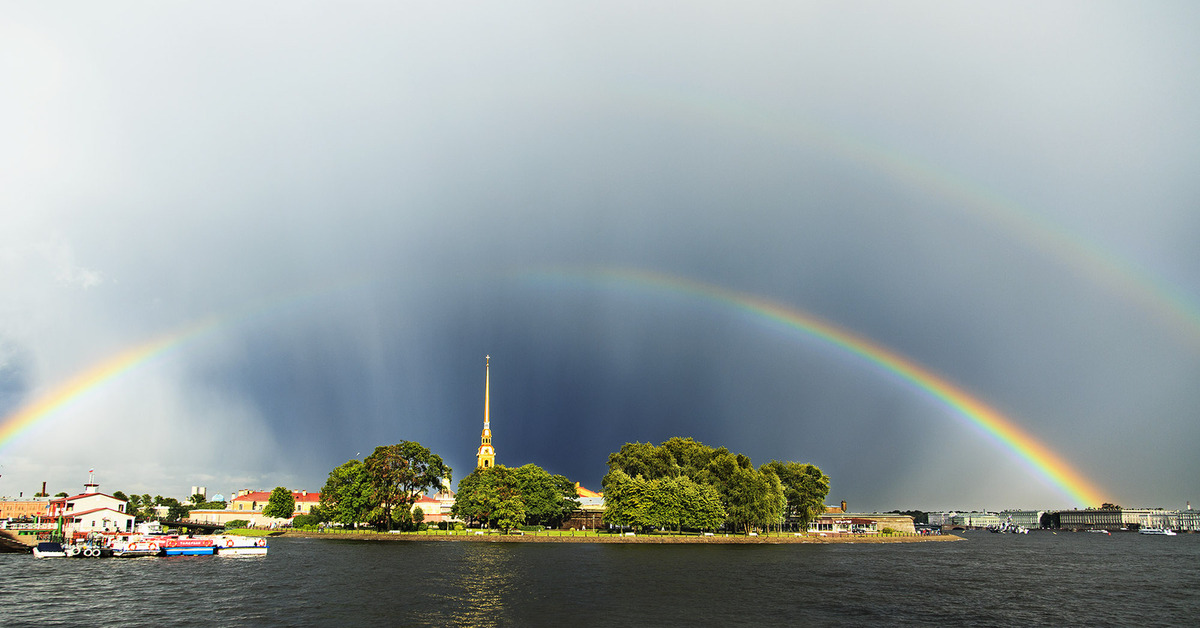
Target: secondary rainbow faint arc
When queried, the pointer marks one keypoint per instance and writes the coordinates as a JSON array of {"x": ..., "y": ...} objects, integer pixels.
[
  {"x": 64, "y": 394},
  {"x": 1168, "y": 301},
  {"x": 1044, "y": 461}
]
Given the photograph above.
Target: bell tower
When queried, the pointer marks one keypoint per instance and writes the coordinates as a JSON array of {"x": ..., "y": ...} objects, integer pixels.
[{"x": 486, "y": 457}]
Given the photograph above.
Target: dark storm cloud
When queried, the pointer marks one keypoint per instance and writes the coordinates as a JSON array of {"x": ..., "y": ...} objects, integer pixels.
[{"x": 413, "y": 164}]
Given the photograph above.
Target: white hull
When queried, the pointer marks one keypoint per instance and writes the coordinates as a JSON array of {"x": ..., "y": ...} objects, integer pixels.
[
  {"x": 1157, "y": 532},
  {"x": 242, "y": 551}
]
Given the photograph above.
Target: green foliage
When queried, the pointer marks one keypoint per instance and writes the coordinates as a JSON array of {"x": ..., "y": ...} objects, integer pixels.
[
  {"x": 302, "y": 521},
  {"x": 804, "y": 486},
  {"x": 117, "y": 494},
  {"x": 197, "y": 499},
  {"x": 458, "y": 527},
  {"x": 549, "y": 499},
  {"x": 58, "y": 494},
  {"x": 546, "y": 499},
  {"x": 398, "y": 473},
  {"x": 281, "y": 504},
  {"x": 492, "y": 495},
  {"x": 236, "y": 523},
  {"x": 666, "y": 502},
  {"x": 683, "y": 483},
  {"x": 422, "y": 527},
  {"x": 346, "y": 496},
  {"x": 418, "y": 515}
]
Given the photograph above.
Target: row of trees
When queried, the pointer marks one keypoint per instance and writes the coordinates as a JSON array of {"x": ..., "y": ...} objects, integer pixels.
[
  {"x": 683, "y": 483},
  {"x": 510, "y": 497},
  {"x": 143, "y": 506},
  {"x": 381, "y": 489}
]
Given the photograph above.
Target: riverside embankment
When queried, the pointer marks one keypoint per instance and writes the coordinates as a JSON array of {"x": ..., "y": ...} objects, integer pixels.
[{"x": 557, "y": 537}]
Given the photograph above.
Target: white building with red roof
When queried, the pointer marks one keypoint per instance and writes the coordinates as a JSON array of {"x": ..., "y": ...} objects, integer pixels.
[{"x": 91, "y": 511}]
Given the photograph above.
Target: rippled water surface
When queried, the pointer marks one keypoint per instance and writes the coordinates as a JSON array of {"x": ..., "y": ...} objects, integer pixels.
[{"x": 1002, "y": 580}]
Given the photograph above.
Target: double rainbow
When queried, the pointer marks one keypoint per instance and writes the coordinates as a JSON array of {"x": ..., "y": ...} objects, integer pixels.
[{"x": 1002, "y": 429}]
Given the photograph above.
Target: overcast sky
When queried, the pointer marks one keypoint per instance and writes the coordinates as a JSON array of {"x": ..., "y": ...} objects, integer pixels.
[{"x": 367, "y": 197}]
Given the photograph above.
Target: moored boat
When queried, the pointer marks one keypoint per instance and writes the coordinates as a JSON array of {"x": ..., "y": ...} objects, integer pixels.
[
  {"x": 1157, "y": 531},
  {"x": 202, "y": 546},
  {"x": 47, "y": 549},
  {"x": 241, "y": 546}
]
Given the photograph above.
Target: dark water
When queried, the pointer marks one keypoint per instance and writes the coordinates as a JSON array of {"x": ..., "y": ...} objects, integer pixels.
[{"x": 988, "y": 580}]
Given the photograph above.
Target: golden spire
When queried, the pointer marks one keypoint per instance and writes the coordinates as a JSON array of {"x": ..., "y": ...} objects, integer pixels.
[{"x": 487, "y": 455}]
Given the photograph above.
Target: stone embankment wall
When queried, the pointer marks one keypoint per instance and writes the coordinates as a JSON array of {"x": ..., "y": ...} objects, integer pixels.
[{"x": 663, "y": 539}]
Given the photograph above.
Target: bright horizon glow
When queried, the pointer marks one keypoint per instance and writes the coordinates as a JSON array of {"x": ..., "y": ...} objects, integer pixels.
[{"x": 1003, "y": 430}]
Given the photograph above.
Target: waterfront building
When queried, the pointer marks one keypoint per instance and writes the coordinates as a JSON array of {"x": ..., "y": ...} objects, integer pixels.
[
  {"x": 860, "y": 523},
  {"x": 1028, "y": 518},
  {"x": 486, "y": 456},
  {"x": 248, "y": 505},
  {"x": 1117, "y": 518},
  {"x": 1189, "y": 520},
  {"x": 943, "y": 518},
  {"x": 90, "y": 511},
  {"x": 976, "y": 520}
]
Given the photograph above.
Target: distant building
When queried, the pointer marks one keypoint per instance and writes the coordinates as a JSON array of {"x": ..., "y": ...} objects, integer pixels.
[
  {"x": 23, "y": 508},
  {"x": 976, "y": 519},
  {"x": 1028, "y": 518},
  {"x": 860, "y": 523},
  {"x": 590, "y": 514},
  {"x": 248, "y": 505},
  {"x": 1117, "y": 518}
]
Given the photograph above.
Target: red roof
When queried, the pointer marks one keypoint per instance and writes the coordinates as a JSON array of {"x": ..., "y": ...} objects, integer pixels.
[
  {"x": 262, "y": 496},
  {"x": 63, "y": 500},
  {"x": 88, "y": 512}
]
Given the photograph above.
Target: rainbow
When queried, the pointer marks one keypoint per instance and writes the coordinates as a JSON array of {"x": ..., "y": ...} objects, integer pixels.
[
  {"x": 71, "y": 391},
  {"x": 78, "y": 387},
  {"x": 1169, "y": 303},
  {"x": 1004, "y": 430}
]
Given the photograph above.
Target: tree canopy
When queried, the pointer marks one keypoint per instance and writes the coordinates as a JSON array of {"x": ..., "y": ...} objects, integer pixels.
[
  {"x": 683, "y": 483},
  {"x": 508, "y": 497},
  {"x": 398, "y": 474},
  {"x": 280, "y": 504},
  {"x": 346, "y": 496}
]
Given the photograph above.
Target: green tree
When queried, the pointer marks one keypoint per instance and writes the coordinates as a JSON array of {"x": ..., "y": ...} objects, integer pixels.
[
  {"x": 399, "y": 473},
  {"x": 59, "y": 494},
  {"x": 755, "y": 499},
  {"x": 623, "y": 496},
  {"x": 346, "y": 496},
  {"x": 418, "y": 515},
  {"x": 548, "y": 499},
  {"x": 281, "y": 504},
  {"x": 120, "y": 495},
  {"x": 197, "y": 499},
  {"x": 805, "y": 488}
]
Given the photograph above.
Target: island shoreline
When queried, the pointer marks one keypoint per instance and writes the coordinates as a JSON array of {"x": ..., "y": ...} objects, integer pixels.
[{"x": 643, "y": 539}]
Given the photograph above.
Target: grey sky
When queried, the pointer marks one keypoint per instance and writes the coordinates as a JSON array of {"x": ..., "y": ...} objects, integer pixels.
[{"x": 365, "y": 194}]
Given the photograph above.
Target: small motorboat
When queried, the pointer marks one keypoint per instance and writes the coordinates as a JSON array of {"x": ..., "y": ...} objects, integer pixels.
[{"x": 47, "y": 549}]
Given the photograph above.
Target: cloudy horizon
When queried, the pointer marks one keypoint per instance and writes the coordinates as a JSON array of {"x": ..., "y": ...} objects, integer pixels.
[{"x": 335, "y": 213}]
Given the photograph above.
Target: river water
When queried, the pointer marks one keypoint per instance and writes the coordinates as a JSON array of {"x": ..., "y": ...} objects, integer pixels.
[{"x": 987, "y": 580}]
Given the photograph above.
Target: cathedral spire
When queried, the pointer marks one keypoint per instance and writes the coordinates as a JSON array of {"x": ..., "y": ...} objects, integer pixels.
[{"x": 487, "y": 455}]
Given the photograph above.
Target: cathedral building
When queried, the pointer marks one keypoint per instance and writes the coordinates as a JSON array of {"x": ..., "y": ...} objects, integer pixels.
[{"x": 486, "y": 457}]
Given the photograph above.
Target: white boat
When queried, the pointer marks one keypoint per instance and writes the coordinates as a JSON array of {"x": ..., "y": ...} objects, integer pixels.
[
  {"x": 1100, "y": 532},
  {"x": 1157, "y": 531},
  {"x": 49, "y": 550},
  {"x": 137, "y": 546},
  {"x": 240, "y": 546}
]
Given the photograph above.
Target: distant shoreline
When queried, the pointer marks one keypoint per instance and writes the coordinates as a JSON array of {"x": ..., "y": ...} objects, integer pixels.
[{"x": 652, "y": 539}]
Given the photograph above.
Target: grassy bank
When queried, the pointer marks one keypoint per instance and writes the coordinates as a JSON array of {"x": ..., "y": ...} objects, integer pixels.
[{"x": 568, "y": 536}]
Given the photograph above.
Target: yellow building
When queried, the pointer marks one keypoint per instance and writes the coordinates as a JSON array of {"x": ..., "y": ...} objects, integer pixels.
[{"x": 487, "y": 454}]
